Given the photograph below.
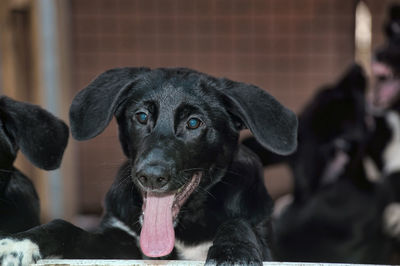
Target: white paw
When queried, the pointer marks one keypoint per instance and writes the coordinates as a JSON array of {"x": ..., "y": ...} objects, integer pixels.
[
  {"x": 18, "y": 252},
  {"x": 391, "y": 220},
  {"x": 392, "y": 149}
]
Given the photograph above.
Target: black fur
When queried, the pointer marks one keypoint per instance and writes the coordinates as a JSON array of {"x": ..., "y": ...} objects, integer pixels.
[
  {"x": 389, "y": 53},
  {"x": 230, "y": 207},
  {"x": 42, "y": 138}
]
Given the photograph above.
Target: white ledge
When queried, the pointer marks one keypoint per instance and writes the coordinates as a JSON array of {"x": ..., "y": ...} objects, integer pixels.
[{"x": 61, "y": 262}]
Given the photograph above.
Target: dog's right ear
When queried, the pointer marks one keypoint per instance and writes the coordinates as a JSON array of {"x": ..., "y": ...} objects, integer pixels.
[
  {"x": 273, "y": 125},
  {"x": 93, "y": 107}
]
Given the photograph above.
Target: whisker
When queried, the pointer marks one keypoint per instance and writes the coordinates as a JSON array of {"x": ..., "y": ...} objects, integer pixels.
[
  {"x": 7, "y": 171},
  {"x": 122, "y": 181},
  {"x": 201, "y": 189},
  {"x": 207, "y": 170},
  {"x": 193, "y": 169},
  {"x": 228, "y": 171}
]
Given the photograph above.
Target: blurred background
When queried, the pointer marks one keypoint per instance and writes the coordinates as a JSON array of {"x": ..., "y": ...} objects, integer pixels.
[{"x": 50, "y": 49}]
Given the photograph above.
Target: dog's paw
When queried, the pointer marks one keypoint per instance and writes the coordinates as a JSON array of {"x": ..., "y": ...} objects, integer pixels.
[
  {"x": 239, "y": 254},
  {"x": 229, "y": 263},
  {"x": 391, "y": 220},
  {"x": 15, "y": 252}
]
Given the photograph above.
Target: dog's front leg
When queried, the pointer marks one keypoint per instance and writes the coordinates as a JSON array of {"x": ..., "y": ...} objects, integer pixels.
[
  {"x": 64, "y": 240},
  {"x": 237, "y": 243},
  {"x": 52, "y": 239}
]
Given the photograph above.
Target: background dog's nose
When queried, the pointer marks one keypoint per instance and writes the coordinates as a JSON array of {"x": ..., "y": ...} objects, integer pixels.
[{"x": 153, "y": 177}]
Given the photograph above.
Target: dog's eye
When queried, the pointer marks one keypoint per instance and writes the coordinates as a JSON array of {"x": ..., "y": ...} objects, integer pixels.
[
  {"x": 142, "y": 117},
  {"x": 193, "y": 123},
  {"x": 382, "y": 78}
]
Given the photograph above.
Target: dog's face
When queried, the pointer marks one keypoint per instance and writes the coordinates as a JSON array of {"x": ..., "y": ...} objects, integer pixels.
[
  {"x": 180, "y": 129},
  {"x": 385, "y": 93},
  {"x": 175, "y": 129}
]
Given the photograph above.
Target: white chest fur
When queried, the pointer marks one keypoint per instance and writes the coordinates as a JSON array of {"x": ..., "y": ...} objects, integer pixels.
[
  {"x": 198, "y": 252},
  {"x": 391, "y": 154},
  {"x": 185, "y": 252}
]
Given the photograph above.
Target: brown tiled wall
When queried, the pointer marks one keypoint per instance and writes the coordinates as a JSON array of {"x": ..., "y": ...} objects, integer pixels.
[{"x": 288, "y": 47}]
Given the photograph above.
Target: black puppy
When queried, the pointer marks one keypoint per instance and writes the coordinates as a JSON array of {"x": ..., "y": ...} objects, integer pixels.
[
  {"x": 331, "y": 128},
  {"x": 188, "y": 190},
  {"x": 42, "y": 138}
]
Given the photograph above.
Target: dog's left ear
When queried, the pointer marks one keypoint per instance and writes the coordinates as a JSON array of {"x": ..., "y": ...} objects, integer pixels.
[
  {"x": 273, "y": 125},
  {"x": 353, "y": 79},
  {"x": 41, "y": 136},
  {"x": 93, "y": 107}
]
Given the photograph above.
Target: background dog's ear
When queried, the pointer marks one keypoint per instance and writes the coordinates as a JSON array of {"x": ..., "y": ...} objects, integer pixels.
[
  {"x": 41, "y": 136},
  {"x": 273, "y": 125},
  {"x": 353, "y": 79},
  {"x": 93, "y": 107}
]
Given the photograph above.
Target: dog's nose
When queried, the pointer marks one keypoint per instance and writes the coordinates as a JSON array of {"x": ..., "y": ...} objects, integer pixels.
[{"x": 153, "y": 177}]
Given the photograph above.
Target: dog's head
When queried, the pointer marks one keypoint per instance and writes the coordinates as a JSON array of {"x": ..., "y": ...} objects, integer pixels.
[
  {"x": 386, "y": 66},
  {"x": 333, "y": 128},
  {"x": 179, "y": 128},
  {"x": 337, "y": 109},
  {"x": 41, "y": 136}
]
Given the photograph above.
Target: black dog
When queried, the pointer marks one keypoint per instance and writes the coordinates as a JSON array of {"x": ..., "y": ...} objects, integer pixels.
[
  {"x": 188, "y": 190},
  {"x": 42, "y": 138},
  {"x": 331, "y": 128}
]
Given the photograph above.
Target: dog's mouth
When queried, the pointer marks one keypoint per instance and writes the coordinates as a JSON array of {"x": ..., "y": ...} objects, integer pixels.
[
  {"x": 157, "y": 237},
  {"x": 386, "y": 95},
  {"x": 388, "y": 90}
]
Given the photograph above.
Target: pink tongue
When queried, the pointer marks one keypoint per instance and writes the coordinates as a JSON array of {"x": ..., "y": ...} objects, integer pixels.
[{"x": 157, "y": 238}]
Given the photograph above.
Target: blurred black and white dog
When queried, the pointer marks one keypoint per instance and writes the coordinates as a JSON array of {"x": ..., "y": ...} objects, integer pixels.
[
  {"x": 385, "y": 104},
  {"x": 42, "y": 138},
  {"x": 336, "y": 212},
  {"x": 188, "y": 189}
]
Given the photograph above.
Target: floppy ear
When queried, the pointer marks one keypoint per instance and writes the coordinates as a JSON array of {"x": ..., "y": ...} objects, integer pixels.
[
  {"x": 8, "y": 149},
  {"x": 273, "y": 125},
  {"x": 41, "y": 136},
  {"x": 353, "y": 79},
  {"x": 93, "y": 107}
]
